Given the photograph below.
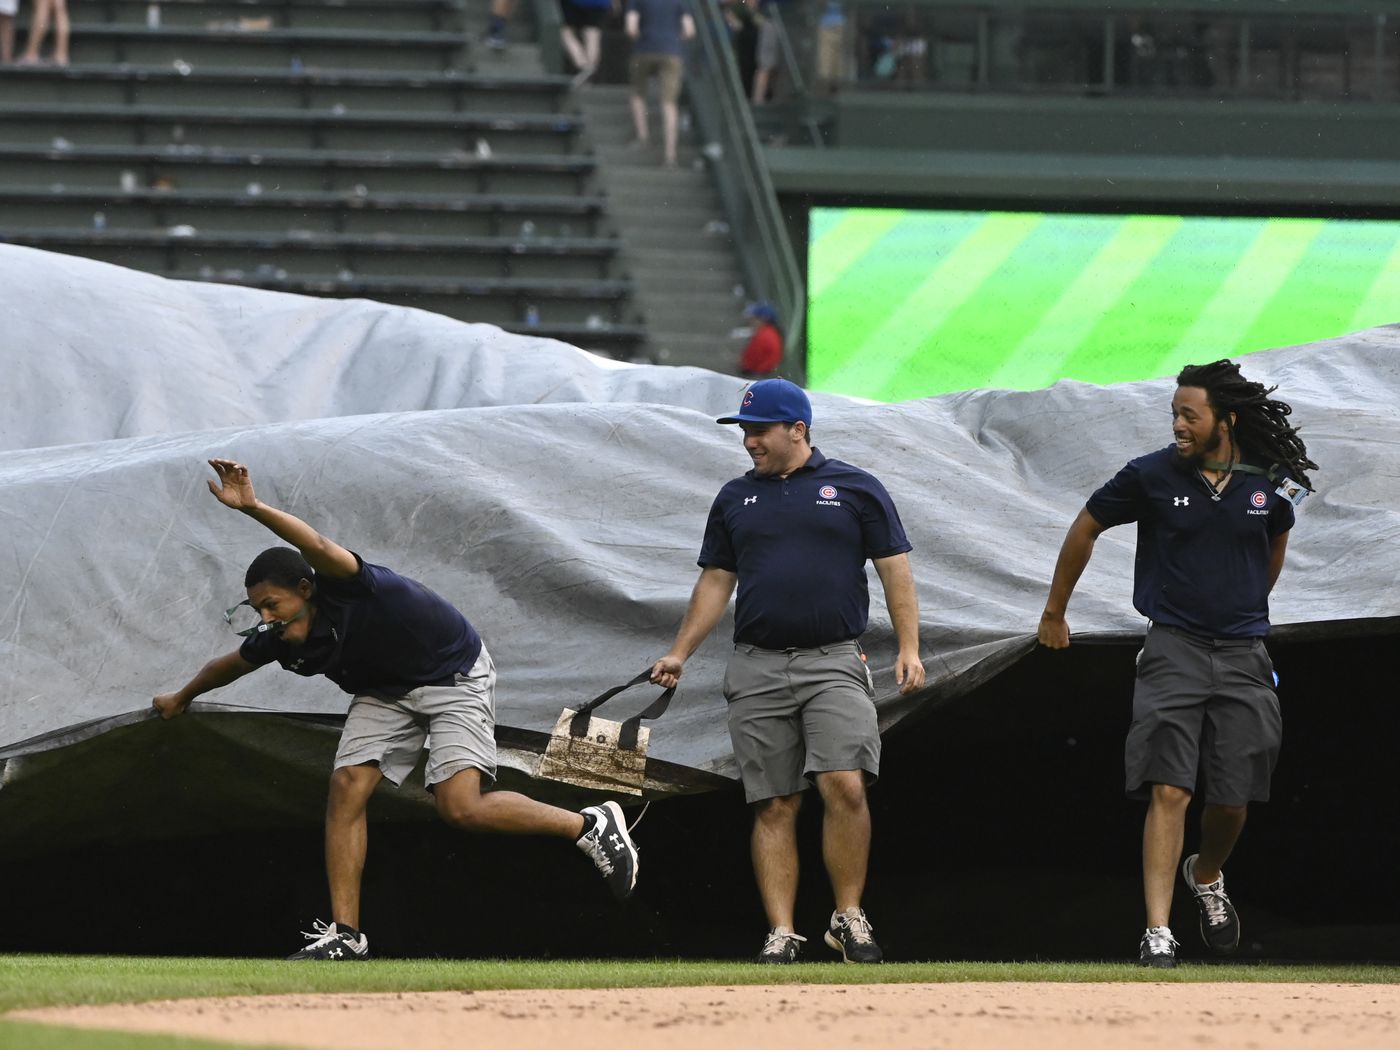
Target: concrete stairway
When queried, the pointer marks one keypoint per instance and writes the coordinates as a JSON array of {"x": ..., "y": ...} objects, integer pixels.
[{"x": 675, "y": 244}]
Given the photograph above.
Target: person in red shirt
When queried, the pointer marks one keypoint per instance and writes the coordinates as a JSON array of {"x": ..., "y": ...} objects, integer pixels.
[{"x": 764, "y": 351}]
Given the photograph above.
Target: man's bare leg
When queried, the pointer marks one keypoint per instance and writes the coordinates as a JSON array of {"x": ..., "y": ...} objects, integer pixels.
[
  {"x": 670, "y": 124},
  {"x": 347, "y": 838},
  {"x": 845, "y": 834},
  {"x": 774, "y": 850},
  {"x": 1163, "y": 833},
  {"x": 462, "y": 803}
]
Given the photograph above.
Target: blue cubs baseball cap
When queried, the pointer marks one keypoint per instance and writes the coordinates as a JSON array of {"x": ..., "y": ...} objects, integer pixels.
[
  {"x": 772, "y": 401},
  {"x": 763, "y": 311}
]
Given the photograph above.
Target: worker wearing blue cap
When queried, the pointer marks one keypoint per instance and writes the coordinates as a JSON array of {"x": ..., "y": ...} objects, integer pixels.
[{"x": 794, "y": 534}]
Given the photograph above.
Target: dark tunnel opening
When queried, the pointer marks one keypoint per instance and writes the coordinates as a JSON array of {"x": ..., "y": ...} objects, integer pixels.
[{"x": 1001, "y": 832}]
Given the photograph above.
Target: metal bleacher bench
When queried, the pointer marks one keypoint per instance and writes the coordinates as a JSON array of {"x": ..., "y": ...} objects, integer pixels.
[
  {"x": 445, "y": 213},
  {"x": 330, "y": 129},
  {"x": 281, "y": 88},
  {"x": 298, "y": 168}
]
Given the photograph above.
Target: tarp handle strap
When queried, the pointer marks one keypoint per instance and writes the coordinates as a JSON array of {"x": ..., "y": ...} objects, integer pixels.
[
  {"x": 1274, "y": 473},
  {"x": 627, "y": 737}
]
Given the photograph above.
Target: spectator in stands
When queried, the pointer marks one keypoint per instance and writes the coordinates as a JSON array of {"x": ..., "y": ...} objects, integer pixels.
[
  {"x": 741, "y": 21},
  {"x": 583, "y": 34},
  {"x": 7, "y": 29},
  {"x": 658, "y": 30},
  {"x": 765, "y": 59},
  {"x": 831, "y": 46},
  {"x": 46, "y": 11},
  {"x": 501, "y": 12},
  {"x": 764, "y": 351}
]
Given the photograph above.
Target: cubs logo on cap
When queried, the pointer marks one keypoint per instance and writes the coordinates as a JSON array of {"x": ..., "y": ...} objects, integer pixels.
[
  {"x": 1259, "y": 499},
  {"x": 828, "y": 492},
  {"x": 772, "y": 401}
]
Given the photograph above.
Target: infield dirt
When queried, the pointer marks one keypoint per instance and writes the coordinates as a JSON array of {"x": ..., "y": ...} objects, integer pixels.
[{"x": 990, "y": 1016}]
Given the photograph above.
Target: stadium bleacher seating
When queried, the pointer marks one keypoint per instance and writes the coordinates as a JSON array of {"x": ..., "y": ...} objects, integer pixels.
[{"x": 331, "y": 147}]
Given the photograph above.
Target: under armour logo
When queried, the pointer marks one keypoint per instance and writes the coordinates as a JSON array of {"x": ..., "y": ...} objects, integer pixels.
[
  {"x": 295, "y": 665},
  {"x": 335, "y": 953},
  {"x": 616, "y": 842},
  {"x": 750, "y": 499},
  {"x": 1181, "y": 501}
]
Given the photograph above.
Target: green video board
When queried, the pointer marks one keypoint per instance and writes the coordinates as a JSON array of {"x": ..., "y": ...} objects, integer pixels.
[{"x": 911, "y": 303}]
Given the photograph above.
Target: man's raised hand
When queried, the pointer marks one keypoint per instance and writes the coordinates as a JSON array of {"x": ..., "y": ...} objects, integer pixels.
[{"x": 234, "y": 488}]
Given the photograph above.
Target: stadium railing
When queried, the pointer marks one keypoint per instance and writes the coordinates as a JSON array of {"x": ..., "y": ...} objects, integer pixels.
[{"x": 721, "y": 110}]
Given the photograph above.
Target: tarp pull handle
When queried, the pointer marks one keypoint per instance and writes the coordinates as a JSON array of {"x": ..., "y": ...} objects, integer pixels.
[{"x": 627, "y": 737}]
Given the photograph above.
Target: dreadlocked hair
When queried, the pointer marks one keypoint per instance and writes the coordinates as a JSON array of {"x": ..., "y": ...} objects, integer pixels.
[{"x": 1261, "y": 423}]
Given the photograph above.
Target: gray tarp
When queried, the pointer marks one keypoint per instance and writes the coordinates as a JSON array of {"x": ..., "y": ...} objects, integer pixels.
[{"x": 557, "y": 498}]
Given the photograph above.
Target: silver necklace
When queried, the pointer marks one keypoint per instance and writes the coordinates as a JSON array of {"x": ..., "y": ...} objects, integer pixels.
[{"x": 1214, "y": 489}]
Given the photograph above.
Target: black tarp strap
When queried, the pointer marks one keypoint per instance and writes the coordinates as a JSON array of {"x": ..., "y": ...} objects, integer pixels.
[{"x": 627, "y": 737}]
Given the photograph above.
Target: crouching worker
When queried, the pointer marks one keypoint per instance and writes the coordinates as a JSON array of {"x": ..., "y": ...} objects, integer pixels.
[{"x": 416, "y": 668}]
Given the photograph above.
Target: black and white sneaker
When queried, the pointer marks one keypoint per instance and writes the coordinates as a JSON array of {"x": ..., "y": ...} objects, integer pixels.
[
  {"x": 333, "y": 944},
  {"x": 781, "y": 946},
  {"x": 1158, "y": 948},
  {"x": 851, "y": 934},
  {"x": 611, "y": 849},
  {"x": 1220, "y": 924}
]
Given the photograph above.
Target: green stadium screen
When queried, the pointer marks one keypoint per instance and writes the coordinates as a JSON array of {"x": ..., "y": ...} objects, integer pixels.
[{"x": 907, "y": 303}]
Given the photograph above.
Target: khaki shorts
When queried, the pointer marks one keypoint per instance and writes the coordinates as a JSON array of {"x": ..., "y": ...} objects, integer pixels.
[
  {"x": 831, "y": 53},
  {"x": 766, "y": 50},
  {"x": 667, "y": 70},
  {"x": 457, "y": 724},
  {"x": 794, "y": 713}
]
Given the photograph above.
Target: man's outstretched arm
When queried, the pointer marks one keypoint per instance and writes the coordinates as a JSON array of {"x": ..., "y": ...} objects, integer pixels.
[
  {"x": 235, "y": 489},
  {"x": 1074, "y": 556},
  {"x": 218, "y": 672},
  {"x": 708, "y": 601}
]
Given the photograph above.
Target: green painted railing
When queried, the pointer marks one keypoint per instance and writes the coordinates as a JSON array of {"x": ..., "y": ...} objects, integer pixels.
[
  {"x": 548, "y": 22},
  {"x": 721, "y": 111}
]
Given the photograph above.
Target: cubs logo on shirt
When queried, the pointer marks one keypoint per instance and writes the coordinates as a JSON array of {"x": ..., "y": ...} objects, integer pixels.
[
  {"x": 1259, "y": 499},
  {"x": 828, "y": 492}
]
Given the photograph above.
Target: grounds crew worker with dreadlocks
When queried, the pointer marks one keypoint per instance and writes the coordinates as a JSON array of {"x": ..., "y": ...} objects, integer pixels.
[
  {"x": 415, "y": 667},
  {"x": 1213, "y": 513},
  {"x": 794, "y": 534}
]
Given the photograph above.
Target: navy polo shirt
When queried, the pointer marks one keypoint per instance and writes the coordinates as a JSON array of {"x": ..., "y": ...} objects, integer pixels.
[
  {"x": 375, "y": 631},
  {"x": 1201, "y": 565},
  {"x": 799, "y": 545}
]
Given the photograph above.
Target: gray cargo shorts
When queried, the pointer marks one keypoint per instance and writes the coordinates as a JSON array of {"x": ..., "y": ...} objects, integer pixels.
[
  {"x": 457, "y": 724},
  {"x": 794, "y": 713},
  {"x": 1204, "y": 711}
]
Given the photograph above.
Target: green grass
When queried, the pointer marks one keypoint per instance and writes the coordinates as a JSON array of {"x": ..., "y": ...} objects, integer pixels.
[
  {"x": 58, "y": 980},
  {"x": 55, "y": 980},
  {"x": 18, "y": 1035}
]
